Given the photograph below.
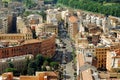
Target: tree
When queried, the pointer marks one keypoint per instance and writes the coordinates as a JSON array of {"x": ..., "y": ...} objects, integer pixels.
[
  {"x": 43, "y": 14},
  {"x": 15, "y": 71},
  {"x": 48, "y": 59},
  {"x": 44, "y": 68},
  {"x": 54, "y": 65},
  {"x": 10, "y": 69},
  {"x": 29, "y": 3},
  {"x": 27, "y": 13},
  {"x": 10, "y": 64},
  {"x": 30, "y": 71},
  {"x": 32, "y": 67},
  {"x": 45, "y": 63},
  {"x": 39, "y": 61},
  {"x": 94, "y": 6},
  {"x": 24, "y": 70}
]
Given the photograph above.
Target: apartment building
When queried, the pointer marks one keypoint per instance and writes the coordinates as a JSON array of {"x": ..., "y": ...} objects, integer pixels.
[
  {"x": 90, "y": 74},
  {"x": 25, "y": 34},
  {"x": 3, "y": 25},
  {"x": 113, "y": 60},
  {"x": 45, "y": 45},
  {"x": 20, "y": 24},
  {"x": 73, "y": 27},
  {"x": 86, "y": 45},
  {"x": 114, "y": 21},
  {"x": 53, "y": 16},
  {"x": 100, "y": 54},
  {"x": 46, "y": 28},
  {"x": 34, "y": 19},
  {"x": 85, "y": 70}
]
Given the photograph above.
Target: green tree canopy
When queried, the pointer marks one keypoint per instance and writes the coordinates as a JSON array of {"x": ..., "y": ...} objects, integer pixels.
[
  {"x": 110, "y": 7},
  {"x": 54, "y": 65}
]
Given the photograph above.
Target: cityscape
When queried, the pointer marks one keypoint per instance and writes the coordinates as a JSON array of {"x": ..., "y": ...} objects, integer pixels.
[{"x": 59, "y": 39}]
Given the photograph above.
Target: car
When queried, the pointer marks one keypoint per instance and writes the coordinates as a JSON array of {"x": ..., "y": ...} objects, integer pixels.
[
  {"x": 64, "y": 62},
  {"x": 63, "y": 47}
]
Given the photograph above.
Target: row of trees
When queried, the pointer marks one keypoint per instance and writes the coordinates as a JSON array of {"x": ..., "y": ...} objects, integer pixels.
[
  {"x": 39, "y": 63},
  {"x": 116, "y": 1},
  {"x": 93, "y": 6},
  {"x": 12, "y": 69},
  {"x": 50, "y": 1},
  {"x": 27, "y": 3}
]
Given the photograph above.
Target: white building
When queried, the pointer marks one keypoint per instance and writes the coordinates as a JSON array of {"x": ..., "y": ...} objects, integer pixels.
[
  {"x": 35, "y": 19},
  {"x": 20, "y": 24},
  {"x": 63, "y": 14},
  {"x": 113, "y": 59},
  {"x": 52, "y": 16}
]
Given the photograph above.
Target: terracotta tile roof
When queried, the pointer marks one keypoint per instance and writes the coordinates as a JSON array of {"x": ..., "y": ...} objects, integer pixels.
[
  {"x": 29, "y": 78},
  {"x": 87, "y": 75},
  {"x": 116, "y": 57},
  {"x": 47, "y": 73},
  {"x": 73, "y": 19},
  {"x": 80, "y": 59},
  {"x": 117, "y": 51},
  {"x": 31, "y": 41}
]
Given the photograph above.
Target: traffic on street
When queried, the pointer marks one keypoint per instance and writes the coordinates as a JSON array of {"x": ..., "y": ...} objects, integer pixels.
[{"x": 64, "y": 49}]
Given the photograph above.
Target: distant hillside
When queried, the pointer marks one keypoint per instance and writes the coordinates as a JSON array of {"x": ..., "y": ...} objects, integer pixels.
[
  {"x": 50, "y": 1},
  {"x": 27, "y": 3},
  {"x": 115, "y": 1},
  {"x": 107, "y": 7},
  {"x": 6, "y": 0}
]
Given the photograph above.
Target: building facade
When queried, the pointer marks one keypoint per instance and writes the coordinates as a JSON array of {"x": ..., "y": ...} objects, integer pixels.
[
  {"x": 101, "y": 55},
  {"x": 46, "y": 28},
  {"x": 16, "y": 36},
  {"x": 113, "y": 60},
  {"x": 25, "y": 34},
  {"x": 73, "y": 27},
  {"x": 46, "y": 47},
  {"x": 3, "y": 25}
]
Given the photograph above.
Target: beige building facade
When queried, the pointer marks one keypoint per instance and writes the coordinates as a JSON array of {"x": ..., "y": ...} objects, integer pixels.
[
  {"x": 41, "y": 28},
  {"x": 113, "y": 60}
]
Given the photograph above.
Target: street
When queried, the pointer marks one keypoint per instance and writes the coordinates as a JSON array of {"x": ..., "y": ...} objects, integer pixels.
[
  {"x": 69, "y": 71},
  {"x": 64, "y": 54}
]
